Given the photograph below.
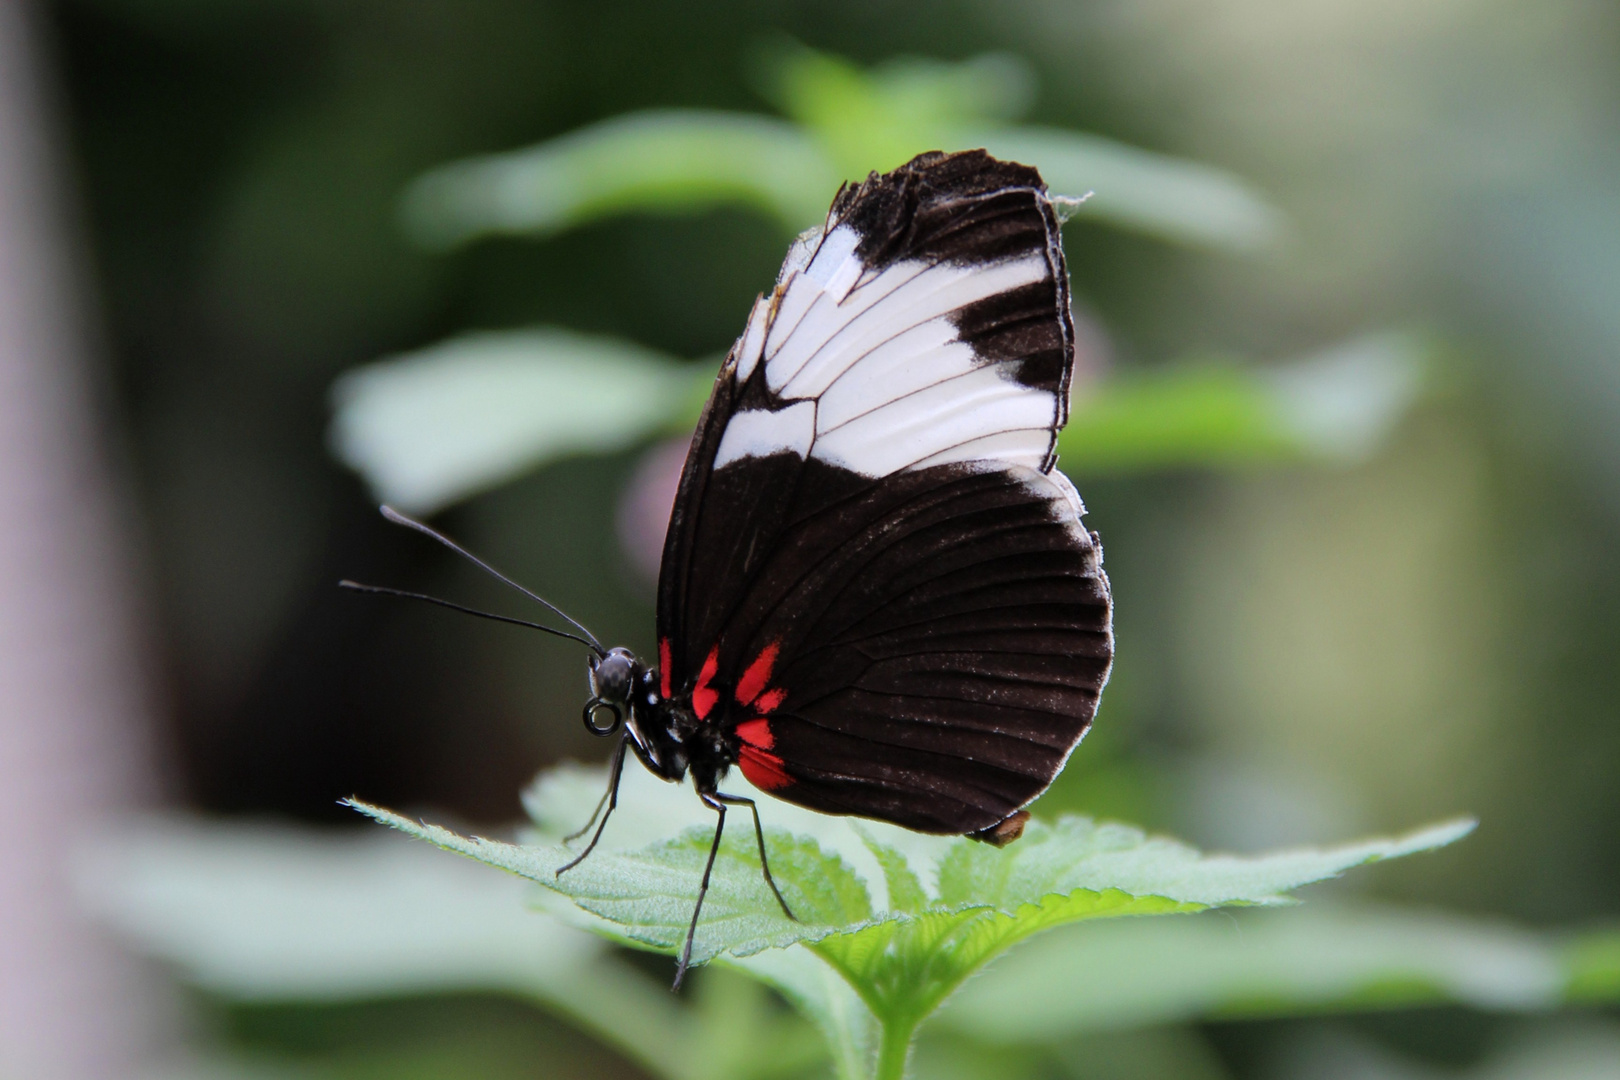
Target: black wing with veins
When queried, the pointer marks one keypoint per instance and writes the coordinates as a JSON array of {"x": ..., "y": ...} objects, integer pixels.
[{"x": 873, "y": 574}]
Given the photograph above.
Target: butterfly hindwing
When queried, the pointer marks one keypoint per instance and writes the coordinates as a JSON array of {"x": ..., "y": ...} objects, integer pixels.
[{"x": 873, "y": 575}]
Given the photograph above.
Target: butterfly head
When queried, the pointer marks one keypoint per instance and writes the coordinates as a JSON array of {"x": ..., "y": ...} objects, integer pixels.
[
  {"x": 628, "y": 689},
  {"x": 613, "y": 677}
]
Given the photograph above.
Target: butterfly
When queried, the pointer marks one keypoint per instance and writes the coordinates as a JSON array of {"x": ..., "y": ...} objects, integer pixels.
[{"x": 877, "y": 597}]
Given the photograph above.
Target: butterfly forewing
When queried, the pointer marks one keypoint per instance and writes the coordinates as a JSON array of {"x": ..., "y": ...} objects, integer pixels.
[{"x": 873, "y": 575}]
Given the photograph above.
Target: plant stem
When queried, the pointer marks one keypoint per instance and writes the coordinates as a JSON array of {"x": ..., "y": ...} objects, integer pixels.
[{"x": 894, "y": 1048}]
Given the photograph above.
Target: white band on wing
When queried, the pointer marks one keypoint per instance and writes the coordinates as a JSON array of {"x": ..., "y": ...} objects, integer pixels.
[{"x": 757, "y": 433}]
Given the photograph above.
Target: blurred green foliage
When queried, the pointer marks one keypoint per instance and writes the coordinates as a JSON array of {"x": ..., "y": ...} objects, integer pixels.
[
  {"x": 1305, "y": 651},
  {"x": 846, "y": 122},
  {"x": 434, "y": 427}
]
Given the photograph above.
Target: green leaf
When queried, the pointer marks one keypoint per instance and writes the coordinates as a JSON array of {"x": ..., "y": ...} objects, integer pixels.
[
  {"x": 827, "y": 92},
  {"x": 1172, "y": 198},
  {"x": 662, "y": 161},
  {"x": 905, "y": 890},
  {"x": 644, "y": 895},
  {"x": 429, "y": 428},
  {"x": 1593, "y": 964},
  {"x": 1556, "y": 1048},
  {"x": 848, "y": 121},
  {"x": 1321, "y": 958},
  {"x": 261, "y": 913},
  {"x": 1337, "y": 405},
  {"x": 736, "y": 1031},
  {"x": 1071, "y": 871},
  {"x": 902, "y": 963},
  {"x": 820, "y": 993},
  {"x": 271, "y": 913},
  {"x": 1205, "y": 414},
  {"x": 878, "y": 119}
]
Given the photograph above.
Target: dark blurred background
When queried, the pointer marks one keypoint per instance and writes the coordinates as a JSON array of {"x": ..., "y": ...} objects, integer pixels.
[{"x": 1305, "y": 653}]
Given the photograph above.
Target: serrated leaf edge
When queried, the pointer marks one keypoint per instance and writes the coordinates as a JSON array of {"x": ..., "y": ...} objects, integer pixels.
[{"x": 1418, "y": 840}]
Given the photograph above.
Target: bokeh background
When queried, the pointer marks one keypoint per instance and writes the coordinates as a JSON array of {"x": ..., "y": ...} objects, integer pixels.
[{"x": 1306, "y": 652}]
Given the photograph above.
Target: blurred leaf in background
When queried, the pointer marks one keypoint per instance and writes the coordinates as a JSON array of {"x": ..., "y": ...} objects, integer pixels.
[
  {"x": 422, "y": 444},
  {"x": 1305, "y": 651},
  {"x": 433, "y": 428},
  {"x": 846, "y": 122},
  {"x": 430, "y": 429}
]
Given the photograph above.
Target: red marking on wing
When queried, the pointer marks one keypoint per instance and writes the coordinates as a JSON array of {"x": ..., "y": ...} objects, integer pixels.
[
  {"x": 767, "y": 702},
  {"x": 703, "y": 695},
  {"x": 663, "y": 667},
  {"x": 758, "y": 674},
  {"x": 763, "y": 770},
  {"x": 756, "y": 733}
]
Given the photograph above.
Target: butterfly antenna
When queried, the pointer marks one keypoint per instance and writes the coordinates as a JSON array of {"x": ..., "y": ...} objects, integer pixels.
[
  {"x": 400, "y": 519},
  {"x": 385, "y": 591}
]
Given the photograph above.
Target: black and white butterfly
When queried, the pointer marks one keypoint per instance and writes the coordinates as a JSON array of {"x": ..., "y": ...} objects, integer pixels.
[{"x": 877, "y": 597}]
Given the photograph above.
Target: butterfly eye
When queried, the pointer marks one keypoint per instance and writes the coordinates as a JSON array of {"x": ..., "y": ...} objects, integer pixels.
[{"x": 612, "y": 676}]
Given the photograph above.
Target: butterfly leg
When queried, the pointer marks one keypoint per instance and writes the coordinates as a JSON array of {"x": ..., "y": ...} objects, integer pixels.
[
  {"x": 759, "y": 837},
  {"x": 718, "y": 807},
  {"x": 610, "y": 798},
  {"x": 585, "y": 828}
]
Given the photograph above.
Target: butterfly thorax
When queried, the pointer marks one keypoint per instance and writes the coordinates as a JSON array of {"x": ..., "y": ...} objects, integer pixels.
[{"x": 664, "y": 733}]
